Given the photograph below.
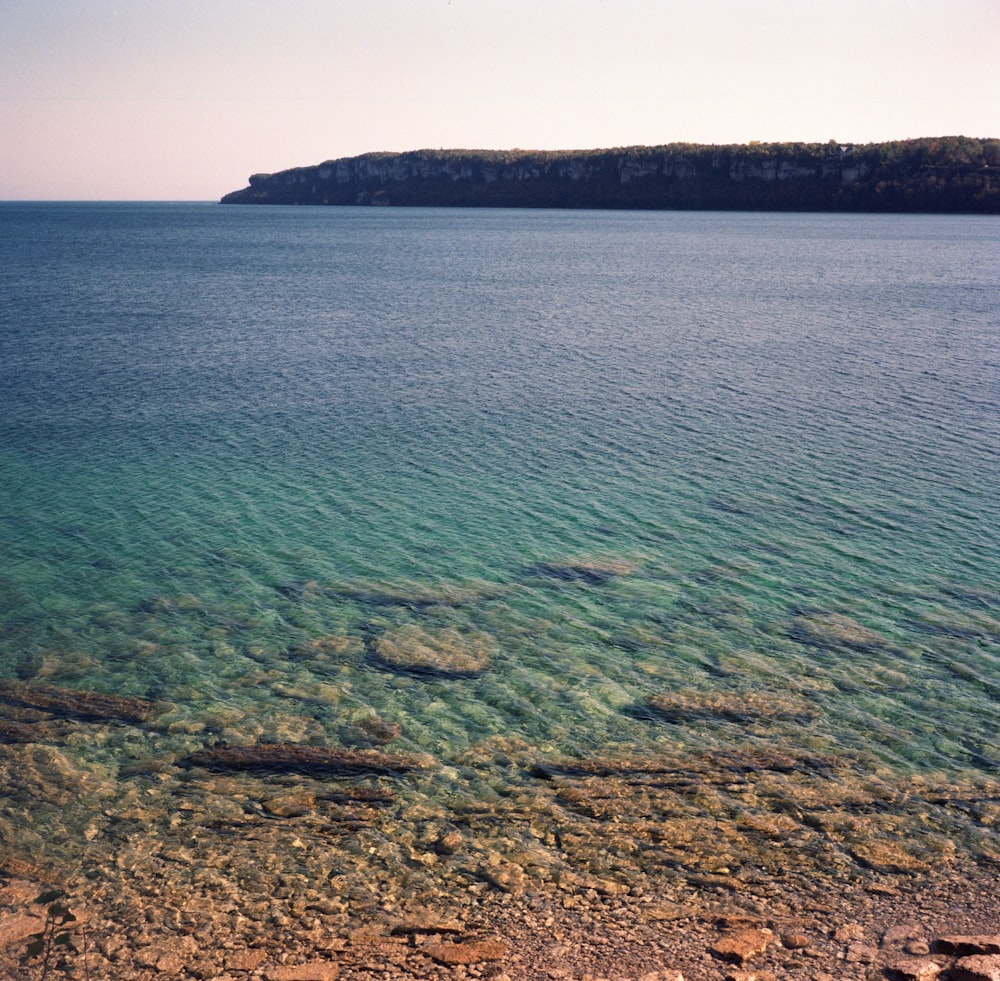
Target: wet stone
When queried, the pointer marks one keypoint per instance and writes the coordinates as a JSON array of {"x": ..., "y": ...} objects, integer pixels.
[
  {"x": 290, "y": 805},
  {"x": 886, "y": 856},
  {"x": 426, "y": 921},
  {"x": 363, "y": 796},
  {"x": 505, "y": 876}
]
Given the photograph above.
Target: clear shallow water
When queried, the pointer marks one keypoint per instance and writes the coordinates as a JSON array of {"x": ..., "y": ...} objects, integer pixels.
[{"x": 225, "y": 433}]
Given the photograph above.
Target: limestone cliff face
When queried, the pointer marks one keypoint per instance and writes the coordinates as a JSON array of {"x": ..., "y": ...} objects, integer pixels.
[{"x": 951, "y": 174}]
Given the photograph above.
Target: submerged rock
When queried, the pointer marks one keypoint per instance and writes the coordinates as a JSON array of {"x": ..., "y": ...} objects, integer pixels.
[
  {"x": 368, "y": 796},
  {"x": 324, "y": 647},
  {"x": 702, "y": 766},
  {"x": 444, "y": 653},
  {"x": 746, "y": 707},
  {"x": 294, "y": 758},
  {"x": 835, "y": 630},
  {"x": 368, "y": 731},
  {"x": 414, "y": 595},
  {"x": 167, "y": 604},
  {"x": 18, "y": 732},
  {"x": 88, "y": 705},
  {"x": 28, "y": 732},
  {"x": 591, "y": 572},
  {"x": 883, "y": 856}
]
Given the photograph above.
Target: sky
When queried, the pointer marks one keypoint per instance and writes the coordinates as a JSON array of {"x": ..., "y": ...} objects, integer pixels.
[{"x": 184, "y": 99}]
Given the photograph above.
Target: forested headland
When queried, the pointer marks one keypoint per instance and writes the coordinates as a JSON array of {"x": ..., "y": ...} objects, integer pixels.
[{"x": 949, "y": 174}]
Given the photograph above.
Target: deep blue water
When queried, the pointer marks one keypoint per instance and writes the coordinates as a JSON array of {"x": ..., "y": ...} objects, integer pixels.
[{"x": 639, "y": 452}]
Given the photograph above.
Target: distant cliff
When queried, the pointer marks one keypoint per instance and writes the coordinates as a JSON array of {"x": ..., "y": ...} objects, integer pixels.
[{"x": 952, "y": 174}]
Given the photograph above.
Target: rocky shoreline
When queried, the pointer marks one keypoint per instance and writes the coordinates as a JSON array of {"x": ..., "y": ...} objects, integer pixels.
[{"x": 935, "y": 927}]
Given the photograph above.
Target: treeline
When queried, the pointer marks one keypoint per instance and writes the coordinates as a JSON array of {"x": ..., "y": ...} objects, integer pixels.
[{"x": 953, "y": 174}]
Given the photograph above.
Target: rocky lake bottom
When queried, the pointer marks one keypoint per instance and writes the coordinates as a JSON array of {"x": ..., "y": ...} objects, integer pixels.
[{"x": 237, "y": 841}]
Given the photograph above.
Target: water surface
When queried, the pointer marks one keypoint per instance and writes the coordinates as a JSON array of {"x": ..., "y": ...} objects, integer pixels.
[{"x": 739, "y": 459}]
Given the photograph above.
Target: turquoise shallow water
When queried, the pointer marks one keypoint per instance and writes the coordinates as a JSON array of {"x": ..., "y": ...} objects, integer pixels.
[{"x": 643, "y": 453}]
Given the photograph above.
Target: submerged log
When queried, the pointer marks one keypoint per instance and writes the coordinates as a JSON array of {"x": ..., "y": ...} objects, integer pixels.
[
  {"x": 73, "y": 703},
  {"x": 307, "y": 760}
]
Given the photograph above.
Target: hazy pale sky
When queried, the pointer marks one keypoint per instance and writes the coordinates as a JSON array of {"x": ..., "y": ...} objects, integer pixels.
[{"x": 183, "y": 99}]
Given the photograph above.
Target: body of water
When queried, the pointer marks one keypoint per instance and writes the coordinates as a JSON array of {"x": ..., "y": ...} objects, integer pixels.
[{"x": 508, "y": 486}]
